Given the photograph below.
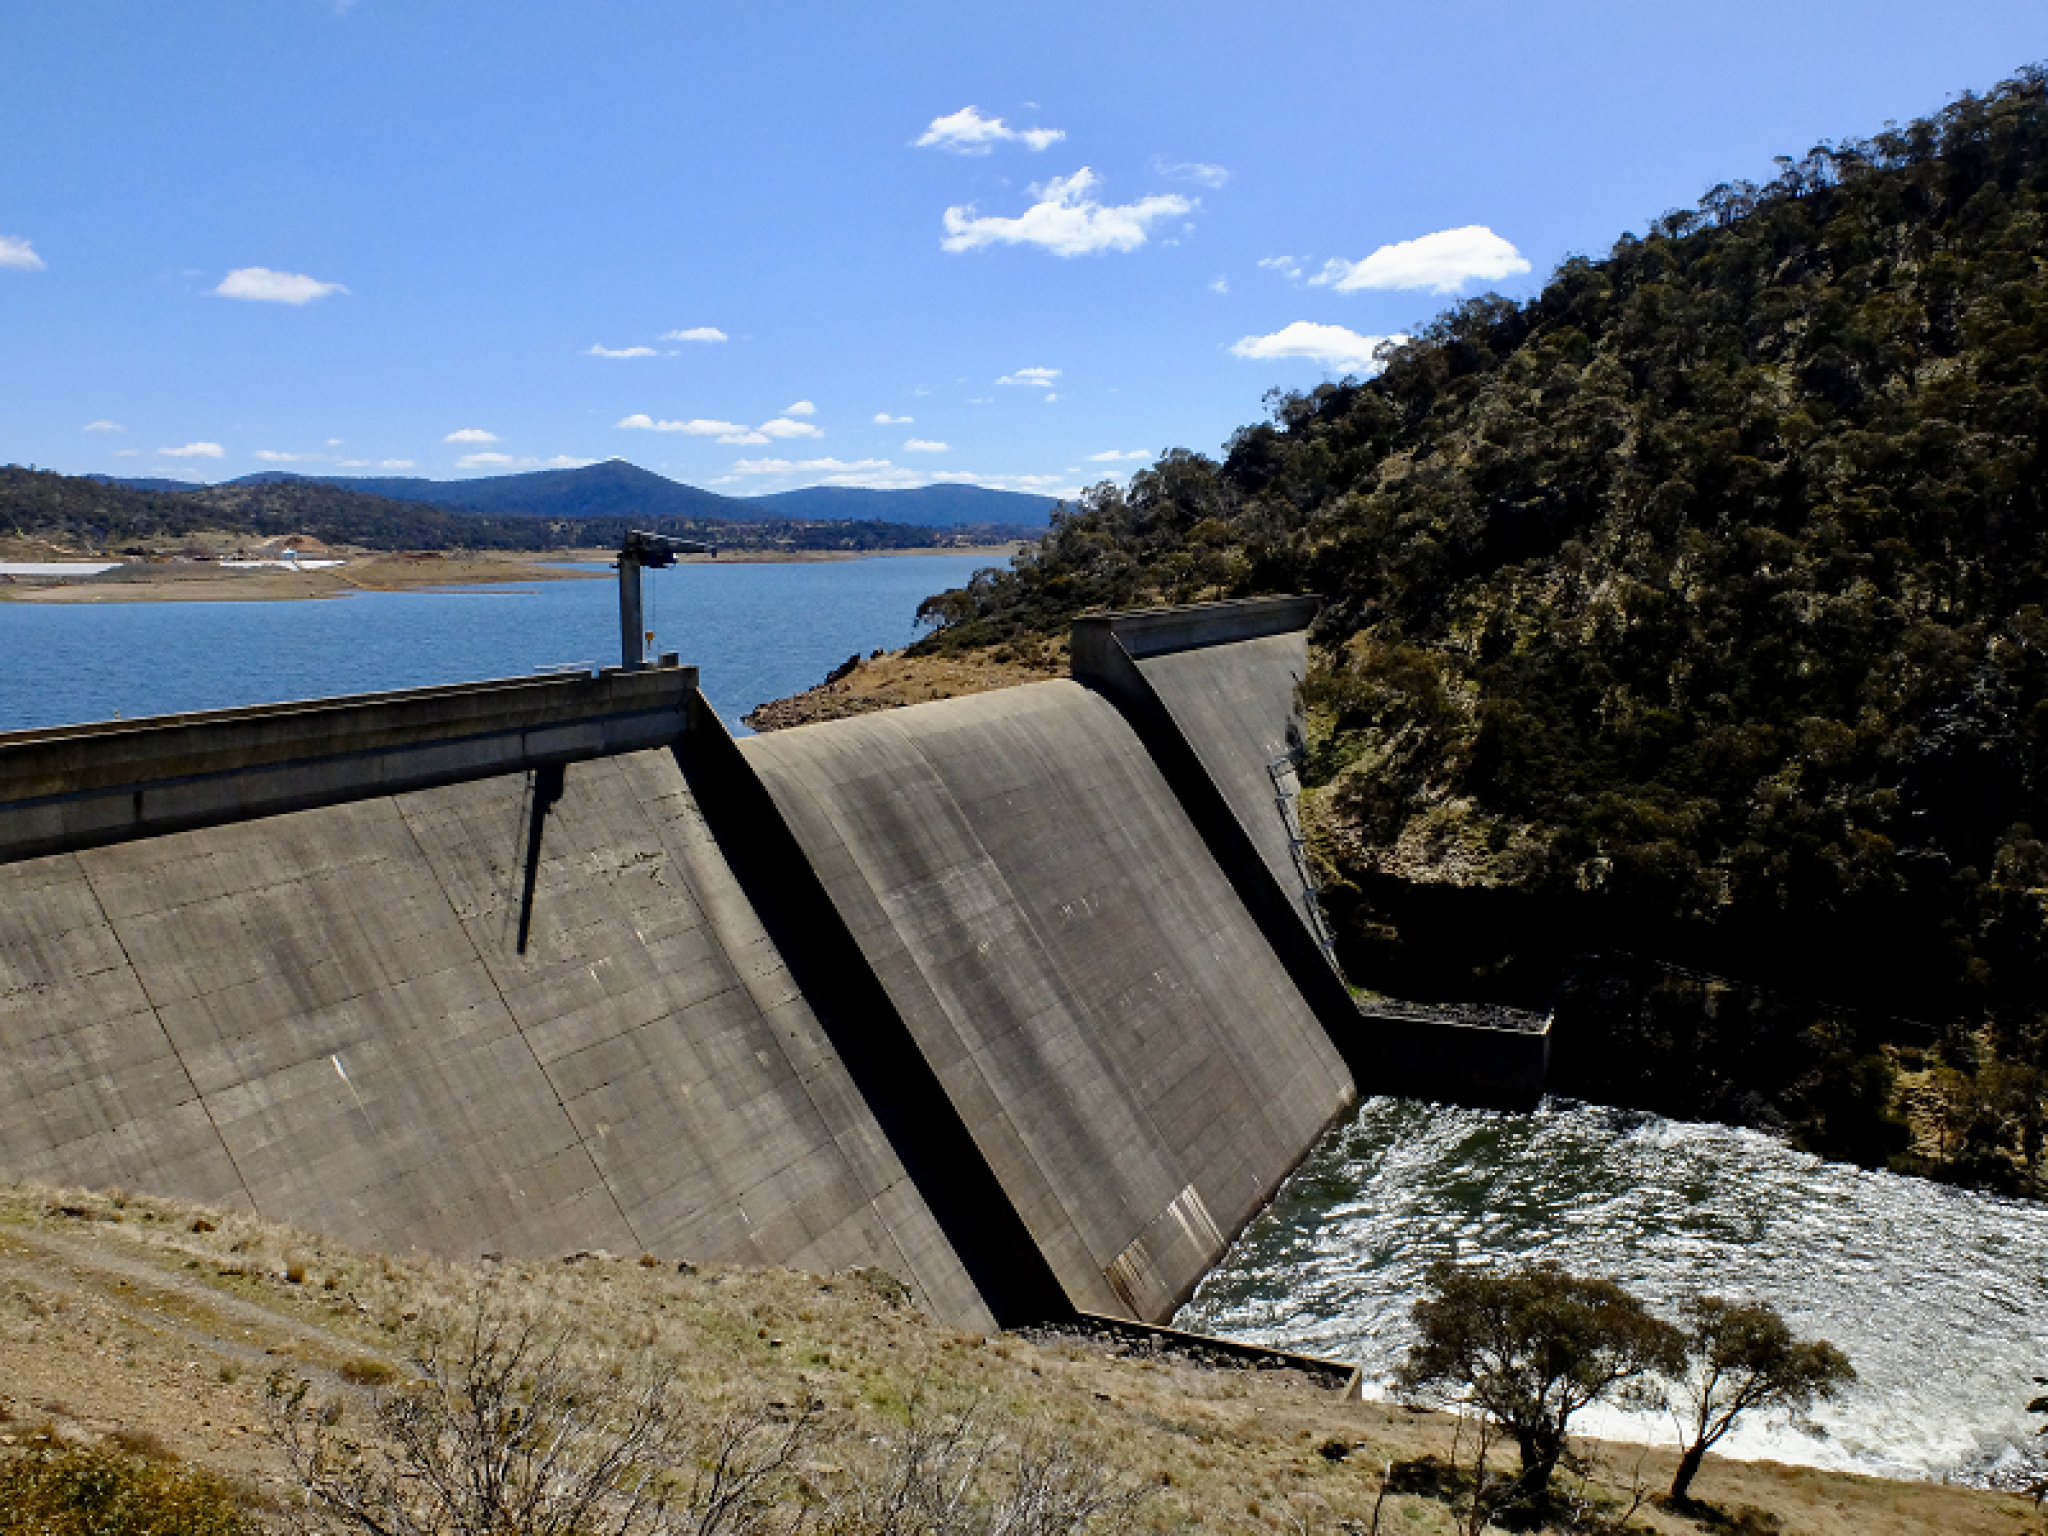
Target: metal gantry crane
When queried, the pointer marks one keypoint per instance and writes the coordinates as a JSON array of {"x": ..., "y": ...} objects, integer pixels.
[{"x": 653, "y": 551}]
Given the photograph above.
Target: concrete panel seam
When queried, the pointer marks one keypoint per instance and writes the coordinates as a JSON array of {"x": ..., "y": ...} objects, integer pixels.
[
  {"x": 1069, "y": 995},
  {"x": 157, "y": 1017},
  {"x": 582, "y": 1144}
]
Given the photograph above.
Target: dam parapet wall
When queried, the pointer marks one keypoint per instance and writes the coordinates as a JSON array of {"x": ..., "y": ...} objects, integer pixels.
[
  {"x": 84, "y": 786},
  {"x": 1012, "y": 995}
]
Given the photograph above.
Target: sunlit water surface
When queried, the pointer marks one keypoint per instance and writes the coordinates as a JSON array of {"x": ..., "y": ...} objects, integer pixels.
[
  {"x": 757, "y": 631},
  {"x": 1939, "y": 1296}
]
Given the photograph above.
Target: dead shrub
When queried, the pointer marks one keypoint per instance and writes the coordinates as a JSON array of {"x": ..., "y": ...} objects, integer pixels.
[
  {"x": 502, "y": 1433},
  {"x": 950, "y": 1474}
]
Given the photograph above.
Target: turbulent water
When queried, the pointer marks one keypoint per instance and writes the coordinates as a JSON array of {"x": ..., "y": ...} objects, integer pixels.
[{"x": 1938, "y": 1296}]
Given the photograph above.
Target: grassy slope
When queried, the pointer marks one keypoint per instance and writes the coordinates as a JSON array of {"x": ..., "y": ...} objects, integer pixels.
[{"x": 118, "y": 1318}]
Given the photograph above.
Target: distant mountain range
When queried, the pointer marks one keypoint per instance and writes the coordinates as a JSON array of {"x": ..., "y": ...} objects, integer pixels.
[{"x": 618, "y": 489}]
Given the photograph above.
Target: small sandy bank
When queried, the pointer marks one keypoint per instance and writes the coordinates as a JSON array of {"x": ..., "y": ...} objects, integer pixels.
[
  {"x": 207, "y": 581},
  {"x": 891, "y": 680}
]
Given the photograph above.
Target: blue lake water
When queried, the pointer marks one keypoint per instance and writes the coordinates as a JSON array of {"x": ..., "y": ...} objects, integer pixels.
[{"x": 757, "y": 631}]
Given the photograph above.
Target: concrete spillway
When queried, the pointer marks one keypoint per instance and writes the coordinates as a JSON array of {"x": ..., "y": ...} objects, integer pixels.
[
  {"x": 1126, "y": 1051},
  {"x": 974, "y": 991}
]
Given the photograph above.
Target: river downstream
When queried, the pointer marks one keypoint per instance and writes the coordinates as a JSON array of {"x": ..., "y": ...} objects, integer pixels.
[{"x": 1938, "y": 1296}]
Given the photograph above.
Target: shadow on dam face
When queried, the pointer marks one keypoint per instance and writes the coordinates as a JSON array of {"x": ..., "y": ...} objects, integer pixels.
[
  {"x": 853, "y": 1007},
  {"x": 544, "y": 789},
  {"x": 1019, "y": 996}
]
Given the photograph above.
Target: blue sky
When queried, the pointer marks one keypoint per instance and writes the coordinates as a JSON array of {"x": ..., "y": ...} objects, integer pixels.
[{"x": 768, "y": 245}]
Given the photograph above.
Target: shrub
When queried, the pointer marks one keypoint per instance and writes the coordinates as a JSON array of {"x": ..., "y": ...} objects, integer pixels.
[{"x": 108, "y": 1492}]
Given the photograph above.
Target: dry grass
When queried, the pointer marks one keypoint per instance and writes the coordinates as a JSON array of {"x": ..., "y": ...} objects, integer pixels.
[
  {"x": 893, "y": 680},
  {"x": 152, "y": 1318}
]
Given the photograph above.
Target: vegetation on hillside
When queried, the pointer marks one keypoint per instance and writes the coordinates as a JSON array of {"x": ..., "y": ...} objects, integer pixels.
[
  {"x": 1697, "y": 606},
  {"x": 109, "y": 1490},
  {"x": 90, "y": 515}
]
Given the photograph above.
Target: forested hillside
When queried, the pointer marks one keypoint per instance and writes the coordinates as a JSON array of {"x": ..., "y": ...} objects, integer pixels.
[{"x": 1697, "y": 606}]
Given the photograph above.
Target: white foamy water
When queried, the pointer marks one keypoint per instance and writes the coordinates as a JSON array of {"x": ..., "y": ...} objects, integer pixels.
[{"x": 1938, "y": 1296}]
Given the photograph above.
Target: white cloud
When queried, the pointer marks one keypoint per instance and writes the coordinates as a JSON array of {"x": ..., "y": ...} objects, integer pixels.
[
  {"x": 801, "y": 408},
  {"x": 1221, "y": 285},
  {"x": 597, "y": 349},
  {"x": 470, "y": 435},
  {"x": 1113, "y": 457},
  {"x": 103, "y": 426},
  {"x": 195, "y": 451},
  {"x": 1065, "y": 220},
  {"x": 884, "y": 419},
  {"x": 334, "y": 442},
  {"x": 1036, "y": 378},
  {"x": 1443, "y": 263},
  {"x": 397, "y": 464},
  {"x": 725, "y": 431},
  {"x": 1329, "y": 344},
  {"x": 507, "y": 461},
  {"x": 1049, "y": 399},
  {"x": 272, "y": 456},
  {"x": 641, "y": 421},
  {"x": 697, "y": 333},
  {"x": 264, "y": 286},
  {"x": 925, "y": 445},
  {"x": 805, "y": 466},
  {"x": 1199, "y": 172},
  {"x": 967, "y": 132},
  {"x": 20, "y": 255},
  {"x": 1286, "y": 266},
  {"x": 882, "y": 475},
  {"x": 127, "y": 453},
  {"x": 890, "y": 477}
]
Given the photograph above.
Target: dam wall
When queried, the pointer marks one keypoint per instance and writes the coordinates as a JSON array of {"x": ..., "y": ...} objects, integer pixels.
[
  {"x": 529, "y": 1012},
  {"x": 1020, "y": 996}
]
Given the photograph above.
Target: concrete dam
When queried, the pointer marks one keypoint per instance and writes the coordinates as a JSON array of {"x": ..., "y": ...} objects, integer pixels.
[{"x": 1023, "y": 997}]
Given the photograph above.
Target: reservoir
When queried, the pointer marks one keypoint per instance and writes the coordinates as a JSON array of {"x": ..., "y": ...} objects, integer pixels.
[
  {"x": 1939, "y": 1296},
  {"x": 758, "y": 631}
]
